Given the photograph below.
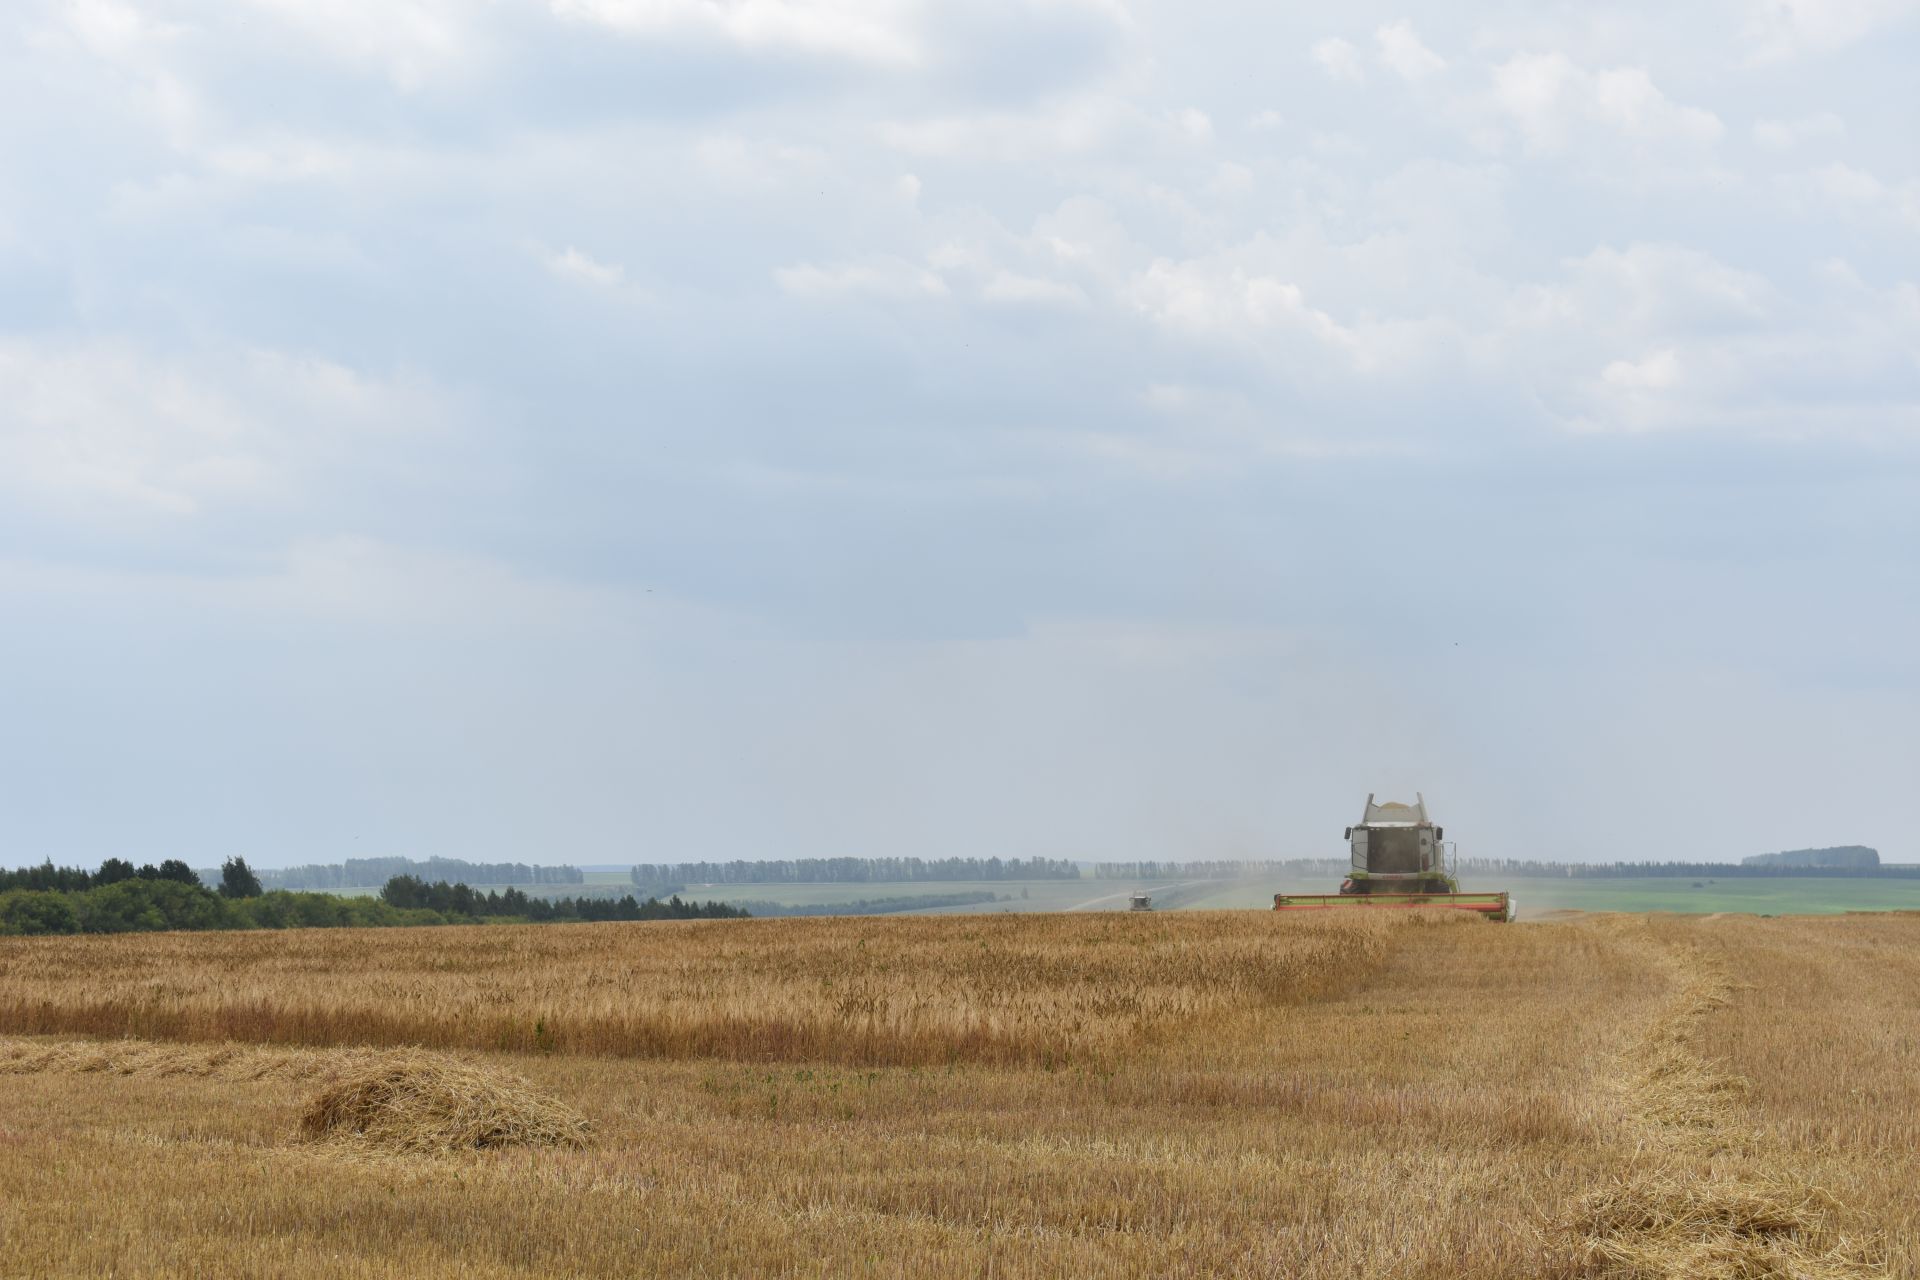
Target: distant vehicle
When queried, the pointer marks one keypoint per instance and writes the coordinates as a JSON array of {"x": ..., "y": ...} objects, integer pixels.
[
  {"x": 1399, "y": 860},
  {"x": 1140, "y": 902}
]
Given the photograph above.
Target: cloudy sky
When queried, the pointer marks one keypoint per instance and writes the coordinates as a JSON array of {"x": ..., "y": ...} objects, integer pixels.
[{"x": 615, "y": 430}]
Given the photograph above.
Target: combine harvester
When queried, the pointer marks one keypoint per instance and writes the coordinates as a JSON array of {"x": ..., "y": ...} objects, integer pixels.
[{"x": 1399, "y": 861}]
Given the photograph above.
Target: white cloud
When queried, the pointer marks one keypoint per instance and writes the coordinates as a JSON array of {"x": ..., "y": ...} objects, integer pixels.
[
  {"x": 1403, "y": 54},
  {"x": 108, "y": 28},
  {"x": 985, "y": 267},
  {"x": 1219, "y": 299},
  {"x": 1230, "y": 179},
  {"x": 1069, "y": 126},
  {"x": 757, "y": 162},
  {"x": 1710, "y": 348},
  {"x": 1853, "y": 196},
  {"x": 571, "y": 264},
  {"x": 1651, "y": 394},
  {"x": 876, "y": 278},
  {"x": 1531, "y": 89},
  {"x": 1784, "y": 29},
  {"x": 1656, "y": 372},
  {"x": 1783, "y": 135},
  {"x": 349, "y": 576},
  {"x": 1194, "y": 123},
  {"x": 1626, "y": 97},
  {"x": 873, "y": 31},
  {"x": 1339, "y": 59},
  {"x": 413, "y": 43},
  {"x": 1857, "y": 195},
  {"x": 103, "y": 427},
  {"x": 1638, "y": 295},
  {"x": 1549, "y": 99},
  {"x": 140, "y": 55},
  {"x": 1847, "y": 186},
  {"x": 1012, "y": 287},
  {"x": 281, "y": 160}
]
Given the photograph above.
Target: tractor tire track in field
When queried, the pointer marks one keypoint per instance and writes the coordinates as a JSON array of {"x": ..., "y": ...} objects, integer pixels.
[{"x": 1702, "y": 1201}]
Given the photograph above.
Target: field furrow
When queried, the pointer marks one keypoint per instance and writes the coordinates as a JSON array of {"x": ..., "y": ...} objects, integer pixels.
[{"x": 1706, "y": 1198}]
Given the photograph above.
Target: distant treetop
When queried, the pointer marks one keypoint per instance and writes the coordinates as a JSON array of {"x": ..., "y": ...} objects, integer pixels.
[
  {"x": 856, "y": 870},
  {"x": 360, "y": 873},
  {"x": 1853, "y": 856},
  {"x": 237, "y": 880}
]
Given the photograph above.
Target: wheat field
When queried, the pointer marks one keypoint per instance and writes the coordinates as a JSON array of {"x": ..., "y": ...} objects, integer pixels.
[{"x": 1192, "y": 1094}]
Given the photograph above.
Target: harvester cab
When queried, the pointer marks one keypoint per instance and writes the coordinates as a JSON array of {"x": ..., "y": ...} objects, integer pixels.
[
  {"x": 1398, "y": 849},
  {"x": 1399, "y": 859}
]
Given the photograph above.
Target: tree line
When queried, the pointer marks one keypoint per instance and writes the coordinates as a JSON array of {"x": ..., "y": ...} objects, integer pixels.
[
  {"x": 1681, "y": 870},
  {"x": 357, "y": 873},
  {"x": 48, "y": 878},
  {"x": 1854, "y": 857},
  {"x": 1216, "y": 870},
  {"x": 856, "y": 871},
  {"x": 412, "y": 893},
  {"x": 121, "y": 898}
]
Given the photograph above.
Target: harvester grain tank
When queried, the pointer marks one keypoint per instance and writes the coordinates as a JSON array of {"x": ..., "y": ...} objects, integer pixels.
[{"x": 1399, "y": 861}]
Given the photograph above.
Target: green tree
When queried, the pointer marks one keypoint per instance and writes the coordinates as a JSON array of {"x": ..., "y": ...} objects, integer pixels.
[
  {"x": 113, "y": 871},
  {"x": 137, "y": 906},
  {"x": 404, "y": 892},
  {"x": 237, "y": 879},
  {"x": 36, "y": 911},
  {"x": 177, "y": 871}
]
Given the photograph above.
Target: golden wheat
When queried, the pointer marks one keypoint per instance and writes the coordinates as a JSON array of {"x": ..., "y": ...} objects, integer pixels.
[
  {"x": 1185, "y": 1095},
  {"x": 986, "y": 988}
]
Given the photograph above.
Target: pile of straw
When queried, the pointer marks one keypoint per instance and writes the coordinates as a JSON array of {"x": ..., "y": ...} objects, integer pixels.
[
  {"x": 1674, "y": 1227},
  {"x": 418, "y": 1102}
]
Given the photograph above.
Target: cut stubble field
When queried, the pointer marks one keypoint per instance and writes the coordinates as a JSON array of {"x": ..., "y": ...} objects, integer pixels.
[{"x": 1100, "y": 1094}]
